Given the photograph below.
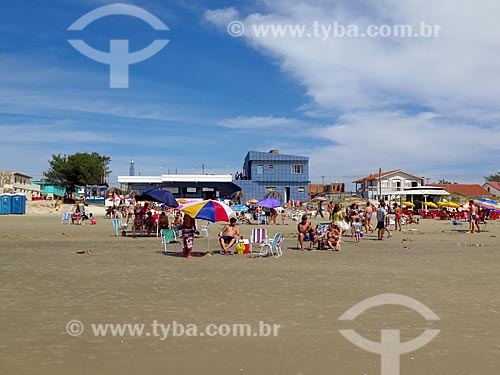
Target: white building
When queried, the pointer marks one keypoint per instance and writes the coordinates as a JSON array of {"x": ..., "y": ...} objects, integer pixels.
[
  {"x": 387, "y": 185},
  {"x": 14, "y": 182},
  {"x": 492, "y": 187}
]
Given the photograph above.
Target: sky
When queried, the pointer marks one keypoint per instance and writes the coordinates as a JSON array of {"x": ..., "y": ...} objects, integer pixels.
[{"x": 352, "y": 104}]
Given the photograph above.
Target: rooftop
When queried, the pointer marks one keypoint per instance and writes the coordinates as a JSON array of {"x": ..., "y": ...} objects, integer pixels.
[
  {"x": 376, "y": 176},
  {"x": 464, "y": 189}
]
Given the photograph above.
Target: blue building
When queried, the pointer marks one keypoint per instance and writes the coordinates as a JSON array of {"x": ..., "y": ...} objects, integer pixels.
[
  {"x": 262, "y": 172},
  {"x": 271, "y": 171}
]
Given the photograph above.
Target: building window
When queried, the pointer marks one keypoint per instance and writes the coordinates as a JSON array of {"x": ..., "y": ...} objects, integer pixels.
[
  {"x": 260, "y": 169},
  {"x": 271, "y": 166},
  {"x": 271, "y": 188},
  {"x": 297, "y": 169},
  {"x": 191, "y": 190},
  {"x": 301, "y": 189}
]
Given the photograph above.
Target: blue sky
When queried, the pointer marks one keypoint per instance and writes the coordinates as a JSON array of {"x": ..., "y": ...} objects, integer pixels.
[{"x": 351, "y": 105}]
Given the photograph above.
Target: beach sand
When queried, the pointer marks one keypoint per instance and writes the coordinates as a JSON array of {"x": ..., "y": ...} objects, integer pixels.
[{"x": 45, "y": 283}]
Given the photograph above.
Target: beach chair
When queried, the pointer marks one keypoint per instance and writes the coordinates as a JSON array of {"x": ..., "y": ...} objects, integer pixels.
[
  {"x": 66, "y": 217},
  {"x": 118, "y": 226},
  {"x": 259, "y": 237},
  {"x": 167, "y": 237},
  {"x": 205, "y": 229},
  {"x": 272, "y": 247}
]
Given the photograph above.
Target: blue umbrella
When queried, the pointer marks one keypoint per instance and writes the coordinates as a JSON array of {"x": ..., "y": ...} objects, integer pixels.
[
  {"x": 239, "y": 207},
  {"x": 160, "y": 196},
  {"x": 269, "y": 203}
]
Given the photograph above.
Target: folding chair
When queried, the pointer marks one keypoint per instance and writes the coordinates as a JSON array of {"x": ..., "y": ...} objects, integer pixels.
[
  {"x": 272, "y": 248},
  {"x": 205, "y": 229},
  {"x": 118, "y": 226},
  {"x": 66, "y": 217},
  {"x": 167, "y": 237},
  {"x": 259, "y": 236}
]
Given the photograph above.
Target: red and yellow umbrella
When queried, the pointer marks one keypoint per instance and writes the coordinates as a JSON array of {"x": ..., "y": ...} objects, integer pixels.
[{"x": 209, "y": 210}]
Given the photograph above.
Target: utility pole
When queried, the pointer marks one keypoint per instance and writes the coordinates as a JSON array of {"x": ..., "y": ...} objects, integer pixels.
[{"x": 379, "y": 184}]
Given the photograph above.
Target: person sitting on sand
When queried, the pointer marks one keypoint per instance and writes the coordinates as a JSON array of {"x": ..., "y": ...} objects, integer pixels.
[
  {"x": 229, "y": 235},
  {"x": 333, "y": 235},
  {"x": 305, "y": 229}
]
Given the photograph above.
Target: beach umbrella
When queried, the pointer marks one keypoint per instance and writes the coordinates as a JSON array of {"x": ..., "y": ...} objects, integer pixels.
[
  {"x": 239, "y": 208},
  {"x": 319, "y": 199},
  {"x": 431, "y": 204},
  {"x": 488, "y": 204},
  {"x": 209, "y": 210},
  {"x": 408, "y": 204},
  {"x": 451, "y": 204},
  {"x": 269, "y": 203},
  {"x": 159, "y": 196}
]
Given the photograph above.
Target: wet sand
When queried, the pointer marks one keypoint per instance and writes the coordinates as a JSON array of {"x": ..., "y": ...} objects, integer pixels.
[{"x": 44, "y": 284}]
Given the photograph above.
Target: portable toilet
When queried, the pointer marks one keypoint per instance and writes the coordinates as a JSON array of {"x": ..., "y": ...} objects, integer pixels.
[
  {"x": 5, "y": 204},
  {"x": 18, "y": 204}
]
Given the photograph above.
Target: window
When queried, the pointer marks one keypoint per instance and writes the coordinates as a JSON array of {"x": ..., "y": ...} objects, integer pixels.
[
  {"x": 191, "y": 190},
  {"x": 301, "y": 189},
  {"x": 297, "y": 169},
  {"x": 270, "y": 188},
  {"x": 260, "y": 169},
  {"x": 271, "y": 166}
]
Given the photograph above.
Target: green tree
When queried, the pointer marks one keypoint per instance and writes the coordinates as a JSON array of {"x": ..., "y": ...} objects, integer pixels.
[
  {"x": 78, "y": 169},
  {"x": 493, "y": 177}
]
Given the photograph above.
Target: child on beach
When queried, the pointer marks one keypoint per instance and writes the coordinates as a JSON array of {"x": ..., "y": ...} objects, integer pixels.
[{"x": 356, "y": 228}]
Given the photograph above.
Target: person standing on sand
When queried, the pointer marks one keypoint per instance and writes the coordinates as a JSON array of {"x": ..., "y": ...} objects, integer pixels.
[
  {"x": 397, "y": 219},
  {"x": 381, "y": 213},
  {"x": 367, "y": 222},
  {"x": 473, "y": 217},
  {"x": 188, "y": 232}
]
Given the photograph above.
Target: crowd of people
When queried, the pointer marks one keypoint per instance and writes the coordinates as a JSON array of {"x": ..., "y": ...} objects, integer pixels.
[{"x": 354, "y": 220}]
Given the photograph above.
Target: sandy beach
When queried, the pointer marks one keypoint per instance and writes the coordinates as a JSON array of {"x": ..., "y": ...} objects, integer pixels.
[{"x": 45, "y": 284}]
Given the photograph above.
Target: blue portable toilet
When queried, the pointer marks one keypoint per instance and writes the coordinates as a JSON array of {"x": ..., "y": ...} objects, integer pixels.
[
  {"x": 18, "y": 204},
  {"x": 5, "y": 204}
]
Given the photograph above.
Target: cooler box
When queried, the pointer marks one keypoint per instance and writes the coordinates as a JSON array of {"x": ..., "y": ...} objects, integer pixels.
[
  {"x": 247, "y": 246},
  {"x": 5, "y": 204}
]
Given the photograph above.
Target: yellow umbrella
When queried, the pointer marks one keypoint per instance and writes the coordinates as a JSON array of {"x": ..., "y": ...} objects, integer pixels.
[
  {"x": 408, "y": 204},
  {"x": 451, "y": 204},
  {"x": 431, "y": 204}
]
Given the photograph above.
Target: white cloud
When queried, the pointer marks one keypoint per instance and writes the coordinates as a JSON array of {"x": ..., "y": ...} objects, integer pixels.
[
  {"x": 428, "y": 105},
  {"x": 259, "y": 122}
]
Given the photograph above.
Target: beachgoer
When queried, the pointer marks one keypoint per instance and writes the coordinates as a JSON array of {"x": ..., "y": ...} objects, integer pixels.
[
  {"x": 398, "y": 217},
  {"x": 367, "y": 223},
  {"x": 283, "y": 217},
  {"x": 229, "y": 235},
  {"x": 356, "y": 228},
  {"x": 381, "y": 214},
  {"x": 149, "y": 222},
  {"x": 188, "y": 232},
  {"x": 473, "y": 217},
  {"x": 163, "y": 221},
  {"x": 333, "y": 237},
  {"x": 305, "y": 229}
]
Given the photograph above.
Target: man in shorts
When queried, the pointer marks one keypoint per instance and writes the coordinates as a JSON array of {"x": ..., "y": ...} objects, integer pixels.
[
  {"x": 381, "y": 213},
  {"x": 229, "y": 235}
]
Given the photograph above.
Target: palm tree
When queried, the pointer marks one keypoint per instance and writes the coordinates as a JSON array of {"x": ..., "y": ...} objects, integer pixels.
[
  {"x": 237, "y": 197},
  {"x": 273, "y": 194}
]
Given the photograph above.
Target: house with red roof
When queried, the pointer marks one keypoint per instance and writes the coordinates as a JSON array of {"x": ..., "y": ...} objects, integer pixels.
[
  {"x": 493, "y": 187},
  {"x": 473, "y": 190},
  {"x": 387, "y": 184}
]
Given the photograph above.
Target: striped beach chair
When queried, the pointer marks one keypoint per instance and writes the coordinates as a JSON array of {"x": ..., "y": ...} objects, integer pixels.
[{"x": 259, "y": 237}]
